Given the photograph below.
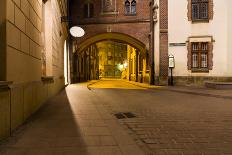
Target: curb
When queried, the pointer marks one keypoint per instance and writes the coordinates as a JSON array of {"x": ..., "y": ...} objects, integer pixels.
[
  {"x": 91, "y": 83},
  {"x": 142, "y": 85}
]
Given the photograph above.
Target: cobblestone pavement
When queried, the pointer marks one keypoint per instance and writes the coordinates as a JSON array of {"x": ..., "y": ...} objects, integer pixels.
[
  {"x": 81, "y": 121},
  {"x": 170, "y": 123}
]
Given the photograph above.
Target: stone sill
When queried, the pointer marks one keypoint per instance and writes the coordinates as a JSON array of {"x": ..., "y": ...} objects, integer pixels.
[
  {"x": 197, "y": 21},
  {"x": 109, "y": 13},
  {"x": 200, "y": 70},
  {"x": 5, "y": 84}
]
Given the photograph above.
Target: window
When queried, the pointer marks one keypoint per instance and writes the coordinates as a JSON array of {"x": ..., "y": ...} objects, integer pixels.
[
  {"x": 199, "y": 55},
  {"x": 200, "y": 10},
  {"x": 130, "y": 7},
  {"x": 88, "y": 10}
]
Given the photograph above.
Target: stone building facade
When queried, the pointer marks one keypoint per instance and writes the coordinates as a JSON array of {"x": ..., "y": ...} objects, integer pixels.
[
  {"x": 31, "y": 57},
  {"x": 198, "y": 34}
]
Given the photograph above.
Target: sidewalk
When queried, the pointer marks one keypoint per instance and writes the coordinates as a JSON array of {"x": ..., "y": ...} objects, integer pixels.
[
  {"x": 73, "y": 122},
  {"x": 202, "y": 91}
]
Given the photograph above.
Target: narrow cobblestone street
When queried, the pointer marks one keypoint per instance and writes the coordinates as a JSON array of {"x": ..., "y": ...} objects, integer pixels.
[{"x": 82, "y": 120}]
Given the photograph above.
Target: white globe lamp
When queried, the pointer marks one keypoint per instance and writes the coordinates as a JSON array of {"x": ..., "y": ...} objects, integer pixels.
[{"x": 77, "y": 31}]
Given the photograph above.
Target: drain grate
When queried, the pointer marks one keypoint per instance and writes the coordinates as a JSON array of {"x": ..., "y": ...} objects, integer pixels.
[
  {"x": 124, "y": 115},
  {"x": 129, "y": 115}
]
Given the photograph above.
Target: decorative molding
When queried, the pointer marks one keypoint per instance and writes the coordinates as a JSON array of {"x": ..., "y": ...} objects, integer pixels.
[
  {"x": 114, "y": 22},
  {"x": 207, "y": 38},
  {"x": 163, "y": 30},
  {"x": 177, "y": 44}
]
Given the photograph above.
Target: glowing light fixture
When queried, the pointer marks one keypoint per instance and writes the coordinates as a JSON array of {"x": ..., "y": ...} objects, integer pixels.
[
  {"x": 125, "y": 65},
  {"x": 77, "y": 31}
]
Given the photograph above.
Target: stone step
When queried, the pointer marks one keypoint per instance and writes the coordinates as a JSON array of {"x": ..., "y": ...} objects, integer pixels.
[{"x": 219, "y": 85}]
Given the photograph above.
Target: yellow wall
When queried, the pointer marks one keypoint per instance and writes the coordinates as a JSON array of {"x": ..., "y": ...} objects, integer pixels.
[{"x": 24, "y": 46}]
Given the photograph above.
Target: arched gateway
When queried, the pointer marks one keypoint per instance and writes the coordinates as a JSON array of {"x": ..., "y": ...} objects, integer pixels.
[
  {"x": 120, "y": 21},
  {"x": 86, "y": 61}
]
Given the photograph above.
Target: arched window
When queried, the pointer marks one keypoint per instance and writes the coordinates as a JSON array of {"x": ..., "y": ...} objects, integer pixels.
[
  {"x": 127, "y": 7},
  {"x": 200, "y": 9},
  {"x": 88, "y": 10},
  {"x": 130, "y": 7}
]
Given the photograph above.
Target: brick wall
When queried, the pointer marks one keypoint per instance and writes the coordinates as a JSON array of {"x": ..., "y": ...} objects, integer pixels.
[
  {"x": 163, "y": 38},
  {"x": 135, "y": 26}
]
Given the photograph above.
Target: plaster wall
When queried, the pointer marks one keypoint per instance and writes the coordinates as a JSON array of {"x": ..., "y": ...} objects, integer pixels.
[
  {"x": 180, "y": 29},
  {"x": 229, "y": 36}
]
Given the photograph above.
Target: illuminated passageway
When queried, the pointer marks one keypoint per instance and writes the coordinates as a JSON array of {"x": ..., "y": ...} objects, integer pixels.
[{"x": 110, "y": 59}]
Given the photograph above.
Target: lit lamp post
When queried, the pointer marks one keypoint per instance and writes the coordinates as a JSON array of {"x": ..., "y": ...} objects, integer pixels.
[{"x": 77, "y": 32}]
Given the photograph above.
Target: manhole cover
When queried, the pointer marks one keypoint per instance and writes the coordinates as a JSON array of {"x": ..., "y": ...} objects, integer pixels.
[{"x": 124, "y": 115}]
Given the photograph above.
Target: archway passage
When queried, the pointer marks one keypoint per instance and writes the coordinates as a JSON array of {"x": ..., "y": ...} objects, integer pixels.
[
  {"x": 118, "y": 37},
  {"x": 110, "y": 55}
]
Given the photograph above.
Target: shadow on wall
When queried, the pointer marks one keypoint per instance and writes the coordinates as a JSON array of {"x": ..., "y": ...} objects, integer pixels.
[
  {"x": 52, "y": 130},
  {"x": 19, "y": 101}
]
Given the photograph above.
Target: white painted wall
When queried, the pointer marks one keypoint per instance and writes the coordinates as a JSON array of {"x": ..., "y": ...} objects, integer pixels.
[
  {"x": 180, "y": 29},
  {"x": 229, "y": 43}
]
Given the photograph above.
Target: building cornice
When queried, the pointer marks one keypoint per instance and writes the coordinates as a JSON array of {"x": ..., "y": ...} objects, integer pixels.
[{"x": 114, "y": 22}]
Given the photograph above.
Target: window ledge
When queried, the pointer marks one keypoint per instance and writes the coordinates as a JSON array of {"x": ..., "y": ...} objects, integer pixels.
[
  {"x": 200, "y": 70},
  {"x": 130, "y": 14},
  {"x": 109, "y": 13},
  {"x": 196, "y": 21}
]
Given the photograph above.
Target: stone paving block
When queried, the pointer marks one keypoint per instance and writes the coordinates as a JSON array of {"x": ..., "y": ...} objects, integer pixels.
[
  {"x": 131, "y": 149},
  {"x": 62, "y": 142},
  {"x": 96, "y": 131}
]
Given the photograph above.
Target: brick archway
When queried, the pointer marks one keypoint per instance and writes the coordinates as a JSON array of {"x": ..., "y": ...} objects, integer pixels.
[{"x": 118, "y": 37}]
